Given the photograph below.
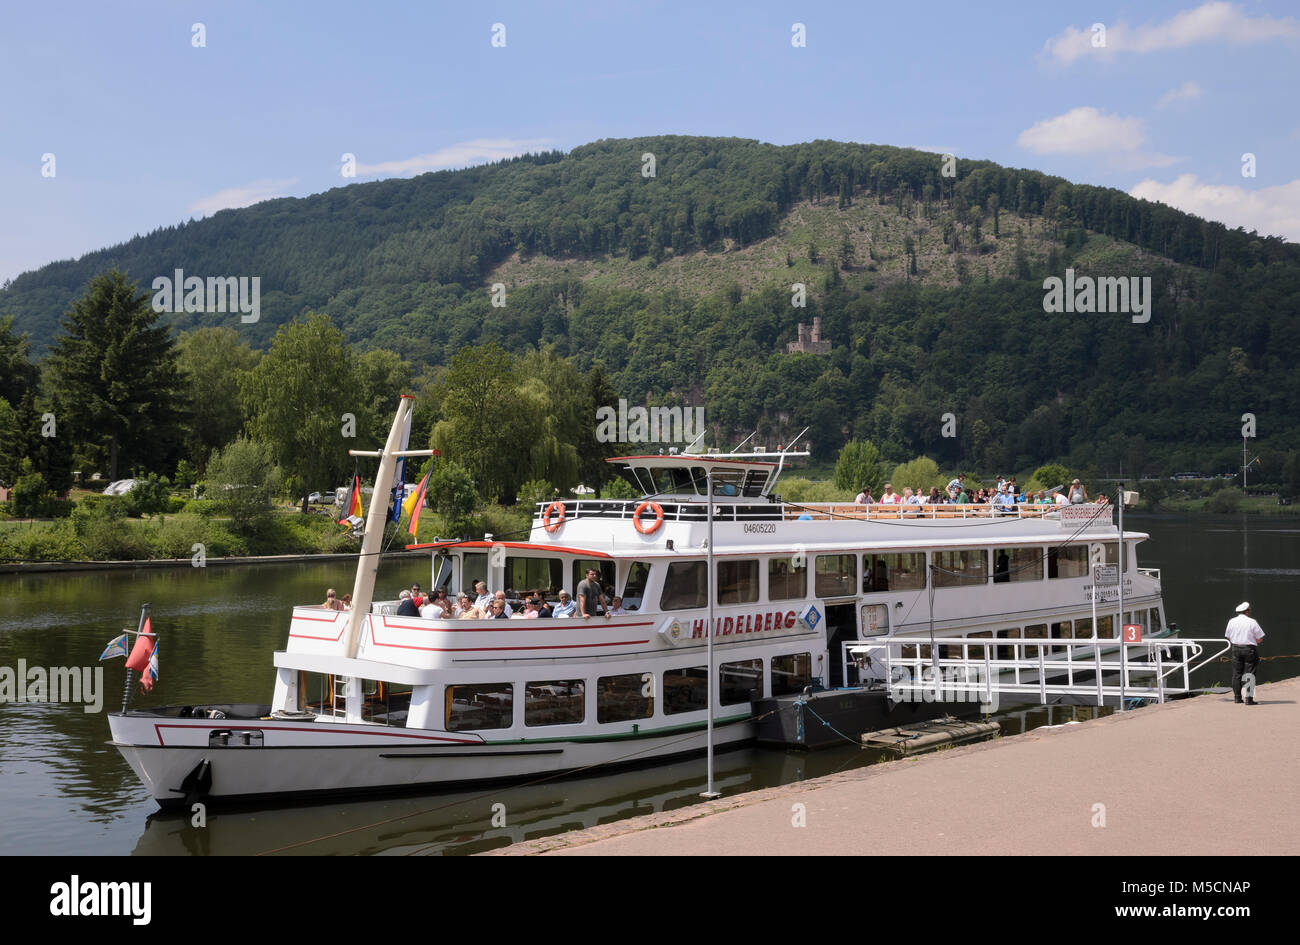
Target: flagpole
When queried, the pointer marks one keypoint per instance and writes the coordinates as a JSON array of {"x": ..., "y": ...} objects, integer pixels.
[
  {"x": 712, "y": 690},
  {"x": 126, "y": 691}
]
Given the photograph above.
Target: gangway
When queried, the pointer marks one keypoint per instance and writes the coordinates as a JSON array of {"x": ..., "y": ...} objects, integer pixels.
[{"x": 985, "y": 669}]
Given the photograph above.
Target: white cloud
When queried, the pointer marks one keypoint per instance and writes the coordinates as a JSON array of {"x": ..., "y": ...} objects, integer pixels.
[
  {"x": 1087, "y": 130},
  {"x": 1187, "y": 90},
  {"x": 1214, "y": 22},
  {"x": 1273, "y": 211},
  {"x": 478, "y": 151},
  {"x": 232, "y": 198}
]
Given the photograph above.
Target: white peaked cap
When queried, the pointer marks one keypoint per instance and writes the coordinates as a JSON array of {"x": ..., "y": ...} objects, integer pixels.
[{"x": 1243, "y": 607}]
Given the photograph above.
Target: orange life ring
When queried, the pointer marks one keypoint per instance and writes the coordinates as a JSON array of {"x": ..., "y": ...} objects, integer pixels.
[
  {"x": 654, "y": 526},
  {"x": 553, "y": 527}
]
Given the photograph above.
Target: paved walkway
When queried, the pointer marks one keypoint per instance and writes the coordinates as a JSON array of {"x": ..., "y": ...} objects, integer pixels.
[{"x": 1198, "y": 776}]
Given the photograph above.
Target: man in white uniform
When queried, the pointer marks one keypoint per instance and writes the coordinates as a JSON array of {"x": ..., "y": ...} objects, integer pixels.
[{"x": 1244, "y": 633}]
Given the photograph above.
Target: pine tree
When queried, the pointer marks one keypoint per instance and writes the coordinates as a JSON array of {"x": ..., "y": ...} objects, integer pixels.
[{"x": 115, "y": 367}]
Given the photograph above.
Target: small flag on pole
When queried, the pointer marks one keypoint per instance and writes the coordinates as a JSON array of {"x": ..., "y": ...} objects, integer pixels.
[
  {"x": 353, "y": 508},
  {"x": 415, "y": 503},
  {"x": 150, "y": 675},
  {"x": 116, "y": 647}
]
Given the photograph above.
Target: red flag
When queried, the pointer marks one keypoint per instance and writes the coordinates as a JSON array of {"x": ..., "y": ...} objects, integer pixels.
[{"x": 143, "y": 649}]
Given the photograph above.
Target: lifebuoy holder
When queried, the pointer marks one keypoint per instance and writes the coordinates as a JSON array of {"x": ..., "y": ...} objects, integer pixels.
[
  {"x": 653, "y": 526},
  {"x": 553, "y": 526}
]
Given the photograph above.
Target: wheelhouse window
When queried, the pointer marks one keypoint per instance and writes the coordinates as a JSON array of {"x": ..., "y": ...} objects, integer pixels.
[
  {"x": 528, "y": 574},
  {"x": 963, "y": 568},
  {"x": 625, "y": 698},
  {"x": 473, "y": 569},
  {"x": 480, "y": 706},
  {"x": 836, "y": 575},
  {"x": 893, "y": 572},
  {"x": 791, "y": 673},
  {"x": 785, "y": 581},
  {"x": 557, "y": 702},
  {"x": 685, "y": 586},
  {"x": 738, "y": 581},
  {"x": 638, "y": 574},
  {"x": 1067, "y": 561},
  {"x": 686, "y": 690},
  {"x": 740, "y": 682}
]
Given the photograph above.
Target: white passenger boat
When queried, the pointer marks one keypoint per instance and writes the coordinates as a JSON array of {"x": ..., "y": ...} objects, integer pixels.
[{"x": 367, "y": 701}]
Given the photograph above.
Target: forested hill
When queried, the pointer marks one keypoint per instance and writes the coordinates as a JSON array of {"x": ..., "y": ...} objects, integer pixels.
[{"x": 929, "y": 287}]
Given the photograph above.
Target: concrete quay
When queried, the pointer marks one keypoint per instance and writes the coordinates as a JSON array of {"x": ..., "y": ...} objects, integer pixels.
[{"x": 1200, "y": 776}]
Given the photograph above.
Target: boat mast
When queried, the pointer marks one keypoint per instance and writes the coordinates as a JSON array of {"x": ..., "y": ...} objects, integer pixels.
[{"x": 363, "y": 588}]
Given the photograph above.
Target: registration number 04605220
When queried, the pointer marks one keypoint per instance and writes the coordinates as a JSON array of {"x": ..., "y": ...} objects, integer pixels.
[{"x": 760, "y": 528}]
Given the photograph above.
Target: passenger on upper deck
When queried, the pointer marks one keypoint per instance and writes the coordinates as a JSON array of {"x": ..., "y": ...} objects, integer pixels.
[
  {"x": 1078, "y": 494},
  {"x": 865, "y": 497},
  {"x": 889, "y": 496},
  {"x": 955, "y": 487},
  {"x": 484, "y": 598},
  {"x": 332, "y": 602},
  {"x": 406, "y": 607},
  {"x": 566, "y": 606},
  {"x": 347, "y": 601},
  {"x": 616, "y": 609},
  {"x": 591, "y": 596}
]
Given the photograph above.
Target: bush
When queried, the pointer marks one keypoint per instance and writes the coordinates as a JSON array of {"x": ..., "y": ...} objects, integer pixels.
[
  {"x": 619, "y": 488},
  {"x": 204, "y": 507},
  {"x": 149, "y": 496},
  {"x": 176, "y": 504},
  {"x": 1225, "y": 500},
  {"x": 798, "y": 489},
  {"x": 176, "y": 538},
  {"x": 186, "y": 475},
  {"x": 240, "y": 482},
  {"x": 921, "y": 473},
  {"x": 504, "y": 524},
  {"x": 30, "y": 494},
  {"x": 1049, "y": 476}
]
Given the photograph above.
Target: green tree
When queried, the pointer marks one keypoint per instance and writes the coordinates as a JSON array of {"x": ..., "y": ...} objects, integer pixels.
[
  {"x": 1049, "y": 476},
  {"x": 859, "y": 467},
  {"x": 241, "y": 480},
  {"x": 593, "y": 469},
  {"x": 451, "y": 494},
  {"x": 214, "y": 360},
  {"x": 12, "y": 444},
  {"x": 116, "y": 367},
  {"x": 920, "y": 473},
  {"x": 484, "y": 423},
  {"x": 296, "y": 399}
]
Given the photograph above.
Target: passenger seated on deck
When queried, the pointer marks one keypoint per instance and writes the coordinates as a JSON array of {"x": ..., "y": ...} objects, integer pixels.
[
  {"x": 865, "y": 497},
  {"x": 531, "y": 610},
  {"x": 566, "y": 607},
  {"x": 434, "y": 609},
  {"x": 543, "y": 608},
  {"x": 332, "y": 602},
  {"x": 465, "y": 609},
  {"x": 500, "y": 598},
  {"x": 616, "y": 610},
  {"x": 889, "y": 496},
  {"x": 347, "y": 601},
  {"x": 406, "y": 607},
  {"x": 498, "y": 611}
]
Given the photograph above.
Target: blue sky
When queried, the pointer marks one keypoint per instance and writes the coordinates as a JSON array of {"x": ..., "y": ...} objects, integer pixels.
[{"x": 147, "y": 129}]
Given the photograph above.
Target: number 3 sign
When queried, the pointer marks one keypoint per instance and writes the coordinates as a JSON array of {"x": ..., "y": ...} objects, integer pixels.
[{"x": 1132, "y": 633}]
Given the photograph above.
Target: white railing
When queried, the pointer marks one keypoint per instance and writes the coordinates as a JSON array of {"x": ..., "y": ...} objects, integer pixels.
[
  {"x": 1153, "y": 573},
  {"x": 1037, "y": 667}
]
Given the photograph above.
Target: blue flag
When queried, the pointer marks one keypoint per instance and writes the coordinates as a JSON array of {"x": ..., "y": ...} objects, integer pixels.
[{"x": 117, "y": 647}]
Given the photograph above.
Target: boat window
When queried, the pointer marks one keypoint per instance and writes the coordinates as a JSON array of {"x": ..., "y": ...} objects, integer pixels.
[
  {"x": 791, "y": 673},
  {"x": 686, "y": 690},
  {"x": 638, "y": 573},
  {"x": 1036, "y": 631},
  {"x": 755, "y": 479},
  {"x": 784, "y": 580},
  {"x": 385, "y": 703},
  {"x": 479, "y": 706},
  {"x": 960, "y": 568},
  {"x": 1112, "y": 552},
  {"x": 559, "y": 702},
  {"x": 738, "y": 581},
  {"x": 1156, "y": 626},
  {"x": 1140, "y": 618},
  {"x": 1012, "y": 565},
  {"x": 527, "y": 574},
  {"x": 1067, "y": 561},
  {"x": 836, "y": 575},
  {"x": 727, "y": 482},
  {"x": 604, "y": 570},
  {"x": 893, "y": 572},
  {"x": 1008, "y": 652},
  {"x": 740, "y": 682},
  {"x": 875, "y": 619},
  {"x": 625, "y": 698},
  {"x": 685, "y": 586},
  {"x": 1083, "y": 628},
  {"x": 1061, "y": 631},
  {"x": 473, "y": 569}
]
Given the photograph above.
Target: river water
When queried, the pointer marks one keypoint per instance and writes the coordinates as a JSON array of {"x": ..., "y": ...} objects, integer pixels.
[{"x": 63, "y": 789}]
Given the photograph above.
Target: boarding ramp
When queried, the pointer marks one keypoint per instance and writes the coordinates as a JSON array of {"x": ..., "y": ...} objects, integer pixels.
[{"x": 992, "y": 670}]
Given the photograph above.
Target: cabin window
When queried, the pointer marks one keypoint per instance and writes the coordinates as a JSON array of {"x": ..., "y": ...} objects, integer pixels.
[
  {"x": 1067, "y": 561},
  {"x": 473, "y": 569},
  {"x": 1156, "y": 626},
  {"x": 638, "y": 574},
  {"x": 893, "y": 572},
  {"x": 385, "y": 703},
  {"x": 740, "y": 682},
  {"x": 1061, "y": 631},
  {"x": 479, "y": 706},
  {"x": 1012, "y": 565},
  {"x": 559, "y": 702},
  {"x": 738, "y": 581},
  {"x": 791, "y": 673},
  {"x": 1008, "y": 652},
  {"x": 685, "y": 586},
  {"x": 1036, "y": 631},
  {"x": 836, "y": 575},
  {"x": 625, "y": 698},
  {"x": 960, "y": 568},
  {"x": 686, "y": 690},
  {"x": 527, "y": 574},
  {"x": 1083, "y": 628},
  {"x": 785, "y": 581},
  {"x": 604, "y": 569}
]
